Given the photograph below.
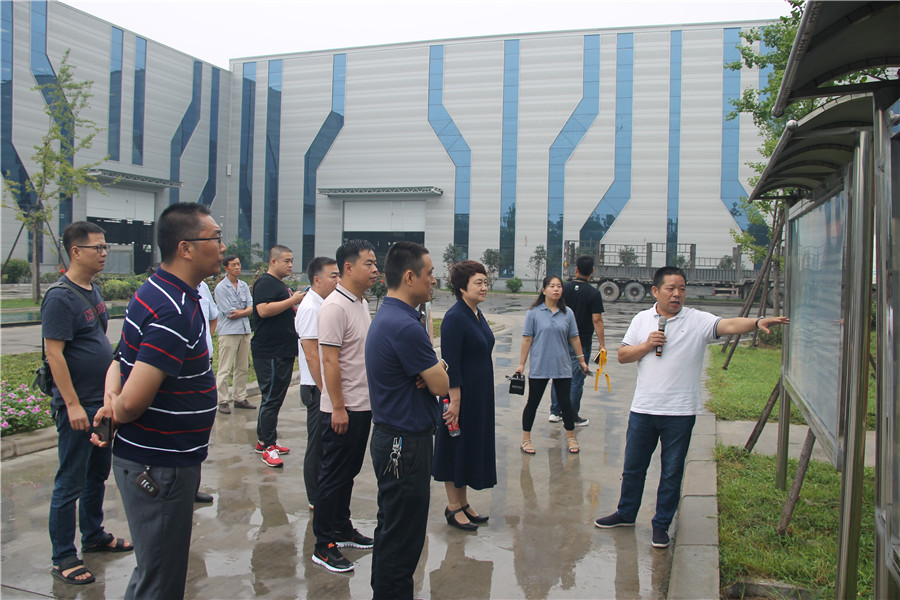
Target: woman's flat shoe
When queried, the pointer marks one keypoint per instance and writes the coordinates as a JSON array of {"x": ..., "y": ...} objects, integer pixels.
[
  {"x": 474, "y": 518},
  {"x": 451, "y": 520}
]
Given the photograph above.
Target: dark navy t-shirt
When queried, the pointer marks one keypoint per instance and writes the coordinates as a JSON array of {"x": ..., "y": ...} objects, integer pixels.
[
  {"x": 585, "y": 301},
  {"x": 274, "y": 336},
  {"x": 397, "y": 350},
  {"x": 88, "y": 353}
]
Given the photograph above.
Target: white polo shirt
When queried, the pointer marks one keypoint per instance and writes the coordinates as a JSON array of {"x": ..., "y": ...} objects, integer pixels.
[
  {"x": 306, "y": 323},
  {"x": 670, "y": 384}
]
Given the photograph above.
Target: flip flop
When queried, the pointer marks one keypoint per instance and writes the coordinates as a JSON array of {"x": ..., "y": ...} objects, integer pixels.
[
  {"x": 105, "y": 547},
  {"x": 73, "y": 562}
]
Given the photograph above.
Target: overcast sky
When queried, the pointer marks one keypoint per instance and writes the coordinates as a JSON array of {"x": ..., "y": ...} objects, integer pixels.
[{"x": 216, "y": 30}]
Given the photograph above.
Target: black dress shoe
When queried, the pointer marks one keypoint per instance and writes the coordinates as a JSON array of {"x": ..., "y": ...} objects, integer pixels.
[
  {"x": 451, "y": 520},
  {"x": 474, "y": 518},
  {"x": 203, "y": 497}
]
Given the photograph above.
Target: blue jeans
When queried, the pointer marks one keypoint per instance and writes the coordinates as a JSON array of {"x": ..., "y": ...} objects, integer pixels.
[
  {"x": 82, "y": 474},
  {"x": 274, "y": 377},
  {"x": 402, "y": 512},
  {"x": 577, "y": 385},
  {"x": 674, "y": 435}
]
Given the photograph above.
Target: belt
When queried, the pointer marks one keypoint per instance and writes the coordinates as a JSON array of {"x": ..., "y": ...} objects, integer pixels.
[{"x": 396, "y": 432}]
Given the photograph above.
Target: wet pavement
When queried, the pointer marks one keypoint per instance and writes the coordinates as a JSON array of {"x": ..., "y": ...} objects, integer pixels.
[{"x": 256, "y": 539}]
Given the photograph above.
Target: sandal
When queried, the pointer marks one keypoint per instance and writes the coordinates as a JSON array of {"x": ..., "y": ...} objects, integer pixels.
[
  {"x": 526, "y": 447},
  {"x": 77, "y": 568},
  {"x": 573, "y": 446},
  {"x": 105, "y": 547}
]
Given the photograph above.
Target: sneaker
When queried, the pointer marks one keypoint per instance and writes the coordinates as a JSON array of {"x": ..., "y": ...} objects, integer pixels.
[
  {"x": 613, "y": 520},
  {"x": 224, "y": 409},
  {"x": 579, "y": 422},
  {"x": 281, "y": 449},
  {"x": 332, "y": 559},
  {"x": 660, "y": 537},
  {"x": 554, "y": 418},
  {"x": 353, "y": 540},
  {"x": 270, "y": 457}
]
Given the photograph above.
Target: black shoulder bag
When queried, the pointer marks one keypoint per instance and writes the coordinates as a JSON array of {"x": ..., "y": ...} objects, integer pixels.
[{"x": 43, "y": 376}]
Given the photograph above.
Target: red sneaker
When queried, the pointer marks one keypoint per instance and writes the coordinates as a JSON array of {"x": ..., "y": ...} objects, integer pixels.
[
  {"x": 281, "y": 449},
  {"x": 270, "y": 457}
]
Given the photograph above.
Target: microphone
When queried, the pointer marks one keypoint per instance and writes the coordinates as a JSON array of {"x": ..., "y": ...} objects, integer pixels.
[{"x": 662, "y": 327}]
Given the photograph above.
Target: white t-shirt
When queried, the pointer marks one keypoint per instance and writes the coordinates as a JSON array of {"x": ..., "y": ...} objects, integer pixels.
[
  {"x": 670, "y": 384},
  {"x": 306, "y": 323},
  {"x": 210, "y": 311}
]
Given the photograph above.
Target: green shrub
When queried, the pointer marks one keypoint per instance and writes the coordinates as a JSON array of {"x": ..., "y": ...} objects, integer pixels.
[
  {"x": 22, "y": 409},
  {"x": 770, "y": 339},
  {"x": 50, "y": 277},
  {"x": 17, "y": 271},
  {"x": 514, "y": 284},
  {"x": 628, "y": 257},
  {"x": 115, "y": 289}
]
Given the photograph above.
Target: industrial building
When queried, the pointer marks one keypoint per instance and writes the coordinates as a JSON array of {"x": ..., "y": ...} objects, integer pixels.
[{"x": 617, "y": 136}]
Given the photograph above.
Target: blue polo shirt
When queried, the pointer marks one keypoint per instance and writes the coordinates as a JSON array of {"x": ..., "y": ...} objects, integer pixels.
[
  {"x": 550, "y": 348},
  {"x": 164, "y": 327},
  {"x": 397, "y": 350}
]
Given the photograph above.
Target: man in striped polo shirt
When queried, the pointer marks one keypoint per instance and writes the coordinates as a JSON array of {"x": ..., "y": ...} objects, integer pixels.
[{"x": 162, "y": 394}]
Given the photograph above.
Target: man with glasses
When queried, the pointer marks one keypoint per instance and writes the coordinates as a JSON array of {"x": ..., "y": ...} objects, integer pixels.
[
  {"x": 274, "y": 348},
  {"x": 161, "y": 392},
  {"x": 73, "y": 324}
]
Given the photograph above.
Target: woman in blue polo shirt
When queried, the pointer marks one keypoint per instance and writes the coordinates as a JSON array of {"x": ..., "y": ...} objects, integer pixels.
[{"x": 549, "y": 329}]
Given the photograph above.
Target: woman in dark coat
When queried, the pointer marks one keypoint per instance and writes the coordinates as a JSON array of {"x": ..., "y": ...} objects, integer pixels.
[{"x": 468, "y": 460}]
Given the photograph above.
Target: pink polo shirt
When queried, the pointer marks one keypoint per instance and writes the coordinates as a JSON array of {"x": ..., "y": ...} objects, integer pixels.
[{"x": 344, "y": 323}]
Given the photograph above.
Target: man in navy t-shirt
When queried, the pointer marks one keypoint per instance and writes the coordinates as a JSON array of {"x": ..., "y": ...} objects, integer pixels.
[
  {"x": 73, "y": 324},
  {"x": 398, "y": 352},
  {"x": 162, "y": 393}
]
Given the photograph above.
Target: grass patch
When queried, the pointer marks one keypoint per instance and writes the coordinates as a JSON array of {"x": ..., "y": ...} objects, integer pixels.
[
  {"x": 16, "y": 369},
  {"x": 18, "y": 303},
  {"x": 740, "y": 393},
  {"x": 749, "y": 510}
]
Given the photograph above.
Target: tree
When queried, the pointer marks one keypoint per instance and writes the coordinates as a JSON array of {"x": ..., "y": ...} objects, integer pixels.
[
  {"x": 537, "y": 262},
  {"x": 245, "y": 251},
  {"x": 452, "y": 255},
  {"x": 57, "y": 177},
  {"x": 491, "y": 261},
  {"x": 628, "y": 257}
]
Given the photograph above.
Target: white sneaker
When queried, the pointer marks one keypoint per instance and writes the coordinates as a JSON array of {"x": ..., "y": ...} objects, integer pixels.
[{"x": 554, "y": 418}]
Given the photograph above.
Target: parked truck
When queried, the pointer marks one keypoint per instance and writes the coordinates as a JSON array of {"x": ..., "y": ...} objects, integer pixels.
[{"x": 627, "y": 270}]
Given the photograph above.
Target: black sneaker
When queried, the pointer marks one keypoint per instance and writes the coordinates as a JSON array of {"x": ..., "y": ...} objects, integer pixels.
[
  {"x": 660, "y": 537},
  {"x": 353, "y": 540},
  {"x": 613, "y": 520},
  {"x": 332, "y": 559}
]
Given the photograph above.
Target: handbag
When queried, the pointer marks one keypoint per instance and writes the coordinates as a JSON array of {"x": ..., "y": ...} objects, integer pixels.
[
  {"x": 43, "y": 379},
  {"x": 516, "y": 384}
]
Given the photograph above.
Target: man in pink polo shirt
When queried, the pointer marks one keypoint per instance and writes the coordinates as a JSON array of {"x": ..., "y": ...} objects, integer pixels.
[{"x": 346, "y": 416}]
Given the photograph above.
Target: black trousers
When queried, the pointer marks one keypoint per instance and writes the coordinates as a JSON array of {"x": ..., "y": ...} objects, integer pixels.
[
  {"x": 536, "y": 387},
  {"x": 402, "y": 512},
  {"x": 342, "y": 458},
  {"x": 312, "y": 460}
]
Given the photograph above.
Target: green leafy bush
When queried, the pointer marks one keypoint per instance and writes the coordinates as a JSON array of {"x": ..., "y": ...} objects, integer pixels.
[
  {"x": 628, "y": 257},
  {"x": 514, "y": 284},
  {"x": 16, "y": 271},
  {"x": 49, "y": 277},
  {"x": 22, "y": 409},
  {"x": 115, "y": 289}
]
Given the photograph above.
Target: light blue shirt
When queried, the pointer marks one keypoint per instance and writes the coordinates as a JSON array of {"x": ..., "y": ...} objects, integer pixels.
[
  {"x": 229, "y": 299},
  {"x": 550, "y": 347}
]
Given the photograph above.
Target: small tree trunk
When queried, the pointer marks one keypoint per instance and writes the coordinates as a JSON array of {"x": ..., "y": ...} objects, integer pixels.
[{"x": 35, "y": 267}]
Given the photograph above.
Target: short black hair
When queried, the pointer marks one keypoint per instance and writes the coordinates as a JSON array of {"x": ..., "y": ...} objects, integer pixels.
[
  {"x": 661, "y": 274},
  {"x": 317, "y": 264},
  {"x": 277, "y": 250},
  {"x": 228, "y": 258},
  {"x": 77, "y": 233},
  {"x": 178, "y": 222},
  {"x": 462, "y": 272},
  {"x": 350, "y": 250},
  {"x": 584, "y": 264},
  {"x": 403, "y": 256}
]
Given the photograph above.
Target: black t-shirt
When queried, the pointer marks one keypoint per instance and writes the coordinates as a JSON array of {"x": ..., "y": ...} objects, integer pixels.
[
  {"x": 585, "y": 301},
  {"x": 88, "y": 353},
  {"x": 274, "y": 336}
]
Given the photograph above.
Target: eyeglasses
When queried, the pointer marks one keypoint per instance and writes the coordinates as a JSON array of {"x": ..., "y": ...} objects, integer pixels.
[
  {"x": 98, "y": 247},
  {"x": 217, "y": 238}
]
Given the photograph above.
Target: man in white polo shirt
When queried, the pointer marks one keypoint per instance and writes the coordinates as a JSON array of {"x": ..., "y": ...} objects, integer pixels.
[
  {"x": 667, "y": 394},
  {"x": 323, "y": 276},
  {"x": 346, "y": 415}
]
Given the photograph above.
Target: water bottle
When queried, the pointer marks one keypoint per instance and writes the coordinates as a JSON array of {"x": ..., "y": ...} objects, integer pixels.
[{"x": 453, "y": 428}]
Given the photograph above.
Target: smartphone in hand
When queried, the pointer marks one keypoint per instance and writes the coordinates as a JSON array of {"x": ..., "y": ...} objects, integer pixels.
[{"x": 103, "y": 430}]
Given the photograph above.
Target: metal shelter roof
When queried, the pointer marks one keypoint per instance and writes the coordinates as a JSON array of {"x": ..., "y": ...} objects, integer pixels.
[
  {"x": 835, "y": 39},
  {"x": 815, "y": 147}
]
